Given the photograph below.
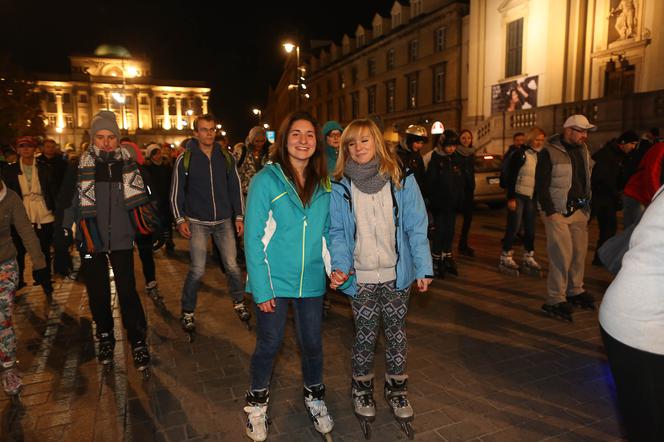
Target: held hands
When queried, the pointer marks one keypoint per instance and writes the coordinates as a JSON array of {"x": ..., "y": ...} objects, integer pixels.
[
  {"x": 511, "y": 204},
  {"x": 183, "y": 228},
  {"x": 423, "y": 284},
  {"x": 337, "y": 279},
  {"x": 267, "y": 306}
]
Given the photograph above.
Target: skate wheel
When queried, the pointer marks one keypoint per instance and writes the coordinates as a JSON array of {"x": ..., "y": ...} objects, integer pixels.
[
  {"x": 366, "y": 429},
  {"x": 190, "y": 337},
  {"x": 408, "y": 429},
  {"x": 146, "y": 373}
]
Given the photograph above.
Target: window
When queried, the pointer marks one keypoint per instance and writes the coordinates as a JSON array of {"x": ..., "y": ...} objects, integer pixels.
[
  {"x": 51, "y": 97},
  {"x": 412, "y": 50},
  {"x": 82, "y": 98},
  {"x": 439, "y": 83},
  {"x": 439, "y": 39},
  {"x": 396, "y": 20},
  {"x": 371, "y": 100},
  {"x": 66, "y": 98},
  {"x": 101, "y": 99},
  {"x": 416, "y": 6},
  {"x": 69, "y": 121},
  {"x": 411, "y": 98},
  {"x": 390, "y": 59},
  {"x": 52, "y": 120},
  {"x": 144, "y": 100},
  {"x": 514, "y": 47},
  {"x": 329, "y": 109},
  {"x": 159, "y": 102},
  {"x": 355, "y": 101},
  {"x": 371, "y": 66},
  {"x": 360, "y": 40},
  {"x": 342, "y": 105},
  {"x": 160, "y": 121},
  {"x": 129, "y": 100},
  {"x": 353, "y": 75},
  {"x": 329, "y": 85},
  {"x": 342, "y": 81},
  {"x": 390, "y": 95}
]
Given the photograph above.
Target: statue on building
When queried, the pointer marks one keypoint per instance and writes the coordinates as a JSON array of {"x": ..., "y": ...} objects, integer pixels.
[{"x": 625, "y": 14}]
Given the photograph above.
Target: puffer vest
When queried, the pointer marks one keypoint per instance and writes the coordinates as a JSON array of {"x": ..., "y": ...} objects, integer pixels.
[
  {"x": 525, "y": 181},
  {"x": 561, "y": 173}
]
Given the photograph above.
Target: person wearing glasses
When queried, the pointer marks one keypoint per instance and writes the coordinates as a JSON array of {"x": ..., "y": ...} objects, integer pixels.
[{"x": 562, "y": 186}]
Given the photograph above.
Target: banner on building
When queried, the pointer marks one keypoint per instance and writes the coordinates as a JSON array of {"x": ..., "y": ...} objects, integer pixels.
[{"x": 514, "y": 95}]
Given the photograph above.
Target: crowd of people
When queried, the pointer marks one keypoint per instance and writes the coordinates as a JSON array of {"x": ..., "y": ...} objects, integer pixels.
[{"x": 328, "y": 208}]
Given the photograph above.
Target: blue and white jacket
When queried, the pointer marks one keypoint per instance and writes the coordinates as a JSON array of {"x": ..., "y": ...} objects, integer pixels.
[
  {"x": 285, "y": 242},
  {"x": 410, "y": 219},
  {"x": 211, "y": 191}
]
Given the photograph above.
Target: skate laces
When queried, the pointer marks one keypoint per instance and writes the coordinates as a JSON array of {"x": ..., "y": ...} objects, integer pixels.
[{"x": 11, "y": 380}]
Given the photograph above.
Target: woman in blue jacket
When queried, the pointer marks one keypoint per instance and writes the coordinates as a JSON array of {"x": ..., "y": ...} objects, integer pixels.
[
  {"x": 286, "y": 222},
  {"x": 379, "y": 247}
]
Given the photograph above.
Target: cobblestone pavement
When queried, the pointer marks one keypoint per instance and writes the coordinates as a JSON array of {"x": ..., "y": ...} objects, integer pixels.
[{"x": 484, "y": 364}]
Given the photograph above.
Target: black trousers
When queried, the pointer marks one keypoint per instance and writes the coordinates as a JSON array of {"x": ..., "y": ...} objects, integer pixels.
[
  {"x": 466, "y": 210},
  {"x": 639, "y": 378},
  {"x": 444, "y": 233},
  {"x": 605, "y": 209},
  {"x": 45, "y": 235},
  {"x": 98, "y": 285},
  {"x": 144, "y": 245}
]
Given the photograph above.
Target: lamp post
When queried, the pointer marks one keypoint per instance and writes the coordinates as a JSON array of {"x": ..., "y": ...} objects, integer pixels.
[
  {"x": 289, "y": 48},
  {"x": 258, "y": 113}
]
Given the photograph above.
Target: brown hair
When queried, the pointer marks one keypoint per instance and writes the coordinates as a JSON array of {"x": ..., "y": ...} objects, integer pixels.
[
  {"x": 203, "y": 117},
  {"x": 388, "y": 164},
  {"x": 316, "y": 171},
  {"x": 463, "y": 131}
]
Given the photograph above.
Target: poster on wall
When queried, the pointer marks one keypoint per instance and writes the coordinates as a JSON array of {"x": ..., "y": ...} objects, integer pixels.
[{"x": 514, "y": 95}]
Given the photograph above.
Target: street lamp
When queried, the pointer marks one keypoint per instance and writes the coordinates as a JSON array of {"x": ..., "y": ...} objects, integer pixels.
[
  {"x": 258, "y": 113},
  {"x": 288, "y": 47},
  {"x": 266, "y": 126}
]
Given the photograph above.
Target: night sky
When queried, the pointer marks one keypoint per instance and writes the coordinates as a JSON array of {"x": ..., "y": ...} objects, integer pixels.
[{"x": 235, "y": 49}]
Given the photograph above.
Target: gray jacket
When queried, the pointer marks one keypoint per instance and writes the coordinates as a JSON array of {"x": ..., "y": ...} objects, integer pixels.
[{"x": 12, "y": 213}]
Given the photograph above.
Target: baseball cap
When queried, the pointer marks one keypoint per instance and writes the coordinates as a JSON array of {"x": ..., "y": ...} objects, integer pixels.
[
  {"x": 26, "y": 142},
  {"x": 578, "y": 121}
]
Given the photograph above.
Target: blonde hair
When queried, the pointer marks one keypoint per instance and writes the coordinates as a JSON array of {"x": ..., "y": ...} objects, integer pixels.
[
  {"x": 532, "y": 134},
  {"x": 388, "y": 163}
]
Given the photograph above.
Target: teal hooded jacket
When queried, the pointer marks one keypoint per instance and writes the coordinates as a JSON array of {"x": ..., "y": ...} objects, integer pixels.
[{"x": 285, "y": 242}]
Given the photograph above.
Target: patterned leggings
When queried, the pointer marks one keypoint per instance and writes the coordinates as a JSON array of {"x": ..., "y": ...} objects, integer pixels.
[
  {"x": 8, "y": 283},
  {"x": 371, "y": 302}
]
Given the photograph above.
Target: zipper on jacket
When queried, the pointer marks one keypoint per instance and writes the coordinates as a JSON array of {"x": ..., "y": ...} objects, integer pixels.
[
  {"x": 110, "y": 221},
  {"x": 214, "y": 204},
  {"x": 304, "y": 239}
]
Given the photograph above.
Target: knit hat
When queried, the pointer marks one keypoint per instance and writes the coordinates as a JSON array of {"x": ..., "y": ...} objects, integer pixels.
[
  {"x": 628, "y": 137},
  {"x": 330, "y": 126},
  {"x": 104, "y": 120},
  {"x": 151, "y": 149}
]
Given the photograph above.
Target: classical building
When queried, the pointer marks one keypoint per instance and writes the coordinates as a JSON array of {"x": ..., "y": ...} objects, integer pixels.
[
  {"x": 401, "y": 69},
  {"x": 147, "y": 109},
  {"x": 535, "y": 62}
]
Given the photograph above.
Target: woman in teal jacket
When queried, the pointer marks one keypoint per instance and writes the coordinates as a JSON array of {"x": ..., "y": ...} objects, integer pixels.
[
  {"x": 379, "y": 247},
  {"x": 286, "y": 222}
]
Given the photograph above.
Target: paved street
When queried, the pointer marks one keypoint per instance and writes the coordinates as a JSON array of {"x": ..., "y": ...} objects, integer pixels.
[{"x": 484, "y": 364}]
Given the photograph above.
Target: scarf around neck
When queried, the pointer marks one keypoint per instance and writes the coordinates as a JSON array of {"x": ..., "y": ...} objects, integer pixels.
[
  {"x": 133, "y": 187},
  {"x": 366, "y": 176}
]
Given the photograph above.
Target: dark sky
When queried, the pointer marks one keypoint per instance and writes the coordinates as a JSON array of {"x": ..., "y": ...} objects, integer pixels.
[{"x": 235, "y": 49}]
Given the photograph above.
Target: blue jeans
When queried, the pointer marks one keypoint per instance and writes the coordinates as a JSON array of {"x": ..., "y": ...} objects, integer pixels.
[
  {"x": 525, "y": 212},
  {"x": 224, "y": 238},
  {"x": 308, "y": 313}
]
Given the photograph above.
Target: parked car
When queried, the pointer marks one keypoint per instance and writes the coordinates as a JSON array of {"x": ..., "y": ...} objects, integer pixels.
[{"x": 487, "y": 181}]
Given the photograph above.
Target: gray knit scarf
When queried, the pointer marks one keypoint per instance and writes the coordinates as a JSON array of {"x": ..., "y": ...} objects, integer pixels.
[
  {"x": 365, "y": 176},
  {"x": 465, "y": 151}
]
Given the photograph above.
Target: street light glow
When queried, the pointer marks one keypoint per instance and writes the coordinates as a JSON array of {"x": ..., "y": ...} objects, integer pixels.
[
  {"x": 58, "y": 129},
  {"x": 132, "y": 71},
  {"x": 218, "y": 126},
  {"x": 223, "y": 132},
  {"x": 118, "y": 97},
  {"x": 266, "y": 126},
  {"x": 289, "y": 47},
  {"x": 256, "y": 111},
  {"x": 190, "y": 112}
]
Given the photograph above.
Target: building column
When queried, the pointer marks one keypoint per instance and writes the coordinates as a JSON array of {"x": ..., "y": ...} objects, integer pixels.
[
  {"x": 137, "y": 98},
  {"x": 167, "y": 117},
  {"x": 205, "y": 100},
  {"x": 58, "y": 105},
  {"x": 178, "y": 112}
]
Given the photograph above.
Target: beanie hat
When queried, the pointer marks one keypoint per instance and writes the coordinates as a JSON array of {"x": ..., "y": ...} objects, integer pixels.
[
  {"x": 449, "y": 138},
  {"x": 104, "y": 120},
  {"x": 628, "y": 137},
  {"x": 26, "y": 141},
  {"x": 151, "y": 149},
  {"x": 330, "y": 126}
]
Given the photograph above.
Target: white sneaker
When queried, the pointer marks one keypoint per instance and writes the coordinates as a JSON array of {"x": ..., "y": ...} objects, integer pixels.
[
  {"x": 507, "y": 260},
  {"x": 319, "y": 415},
  {"x": 256, "y": 421},
  {"x": 529, "y": 260}
]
